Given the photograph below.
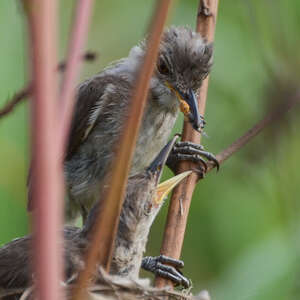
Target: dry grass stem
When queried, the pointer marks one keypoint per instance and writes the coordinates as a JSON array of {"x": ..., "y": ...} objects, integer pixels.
[{"x": 116, "y": 288}]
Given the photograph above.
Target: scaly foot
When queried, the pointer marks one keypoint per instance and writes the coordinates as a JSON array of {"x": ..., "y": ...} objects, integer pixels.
[
  {"x": 157, "y": 265},
  {"x": 189, "y": 151}
]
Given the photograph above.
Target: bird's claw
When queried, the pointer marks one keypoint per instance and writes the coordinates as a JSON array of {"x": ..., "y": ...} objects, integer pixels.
[
  {"x": 190, "y": 152},
  {"x": 157, "y": 265},
  {"x": 197, "y": 127}
]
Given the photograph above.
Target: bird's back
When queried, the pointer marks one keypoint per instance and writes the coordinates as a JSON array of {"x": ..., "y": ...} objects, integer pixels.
[
  {"x": 16, "y": 260},
  {"x": 15, "y": 265}
]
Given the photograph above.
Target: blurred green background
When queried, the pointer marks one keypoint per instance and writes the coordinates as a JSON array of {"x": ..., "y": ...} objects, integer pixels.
[{"x": 242, "y": 238}]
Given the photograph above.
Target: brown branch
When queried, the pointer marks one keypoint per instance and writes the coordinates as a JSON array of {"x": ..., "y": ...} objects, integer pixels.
[
  {"x": 25, "y": 92},
  {"x": 182, "y": 195},
  {"x": 102, "y": 245},
  {"x": 273, "y": 116},
  {"x": 17, "y": 98}
]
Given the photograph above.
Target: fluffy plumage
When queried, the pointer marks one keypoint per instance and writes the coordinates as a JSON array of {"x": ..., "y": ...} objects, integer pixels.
[
  {"x": 102, "y": 104},
  {"x": 138, "y": 213}
]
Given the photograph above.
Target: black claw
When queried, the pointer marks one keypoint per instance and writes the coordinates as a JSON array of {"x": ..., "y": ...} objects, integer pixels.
[
  {"x": 187, "y": 149},
  {"x": 190, "y": 152},
  {"x": 212, "y": 158},
  {"x": 157, "y": 266},
  {"x": 194, "y": 158},
  {"x": 171, "y": 261},
  {"x": 167, "y": 275},
  {"x": 190, "y": 144},
  {"x": 198, "y": 159},
  {"x": 171, "y": 274},
  {"x": 209, "y": 156},
  {"x": 216, "y": 163}
]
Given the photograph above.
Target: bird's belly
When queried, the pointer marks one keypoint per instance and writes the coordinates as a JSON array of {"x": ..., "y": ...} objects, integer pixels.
[{"x": 153, "y": 137}]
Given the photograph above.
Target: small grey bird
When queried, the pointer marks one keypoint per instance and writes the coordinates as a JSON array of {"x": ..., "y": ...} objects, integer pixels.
[
  {"x": 184, "y": 60},
  {"x": 143, "y": 200}
]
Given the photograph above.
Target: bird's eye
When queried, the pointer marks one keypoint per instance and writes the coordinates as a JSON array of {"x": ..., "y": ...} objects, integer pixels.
[{"x": 162, "y": 68}]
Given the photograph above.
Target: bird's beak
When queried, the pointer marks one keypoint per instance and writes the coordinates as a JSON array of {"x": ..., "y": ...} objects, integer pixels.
[
  {"x": 189, "y": 107},
  {"x": 164, "y": 188},
  {"x": 157, "y": 165}
]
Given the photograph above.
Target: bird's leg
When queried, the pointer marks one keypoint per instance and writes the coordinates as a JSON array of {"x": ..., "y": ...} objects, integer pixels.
[
  {"x": 157, "y": 265},
  {"x": 189, "y": 151}
]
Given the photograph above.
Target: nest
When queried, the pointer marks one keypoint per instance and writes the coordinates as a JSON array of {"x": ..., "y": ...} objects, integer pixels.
[{"x": 115, "y": 288}]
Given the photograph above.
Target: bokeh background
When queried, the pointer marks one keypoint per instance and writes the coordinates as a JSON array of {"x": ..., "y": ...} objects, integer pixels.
[{"x": 242, "y": 239}]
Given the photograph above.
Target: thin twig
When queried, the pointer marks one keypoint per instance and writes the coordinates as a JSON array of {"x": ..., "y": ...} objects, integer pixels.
[
  {"x": 47, "y": 175},
  {"x": 273, "y": 116},
  {"x": 25, "y": 92},
  {"x": 17, "y": 98},
  {"x": 102, "y": 243},
  {"x": 88, "y": 56},
  {"x": 182, "y": 195},
  {"x": 78, "y": 37}
]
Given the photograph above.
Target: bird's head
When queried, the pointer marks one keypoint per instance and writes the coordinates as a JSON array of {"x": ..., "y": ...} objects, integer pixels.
[{"x": 184, "y": 61}]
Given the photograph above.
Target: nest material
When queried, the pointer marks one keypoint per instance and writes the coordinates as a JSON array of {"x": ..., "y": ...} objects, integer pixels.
[{"x": 116, "y": 288}]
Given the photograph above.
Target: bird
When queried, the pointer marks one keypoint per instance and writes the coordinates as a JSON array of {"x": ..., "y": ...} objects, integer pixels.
[
  {"x": 102, "y": 102},
  {"x": 143, "y": 199}
]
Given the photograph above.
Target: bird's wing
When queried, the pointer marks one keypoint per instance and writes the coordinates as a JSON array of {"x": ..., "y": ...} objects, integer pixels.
[
  {"x": 15, "y": 263},
  {"x": 16, "y": 259},
  {"x": 100, "y": 99},
  {"x": 90, "y": 96}
]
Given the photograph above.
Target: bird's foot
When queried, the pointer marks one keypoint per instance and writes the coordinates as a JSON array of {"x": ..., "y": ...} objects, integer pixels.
[
  {"x": 189, "y": 151},
  {"x": 157, "y": 265}
]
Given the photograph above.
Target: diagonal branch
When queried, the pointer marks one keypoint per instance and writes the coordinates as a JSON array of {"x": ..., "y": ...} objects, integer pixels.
[
  {"x": 273, "y": 116},
  {"x": 17, "y": 98},
  {"x": 182, "y": 195},
  {"x": 102, "y": 244},
  {"x": 25, "y": 92}
]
